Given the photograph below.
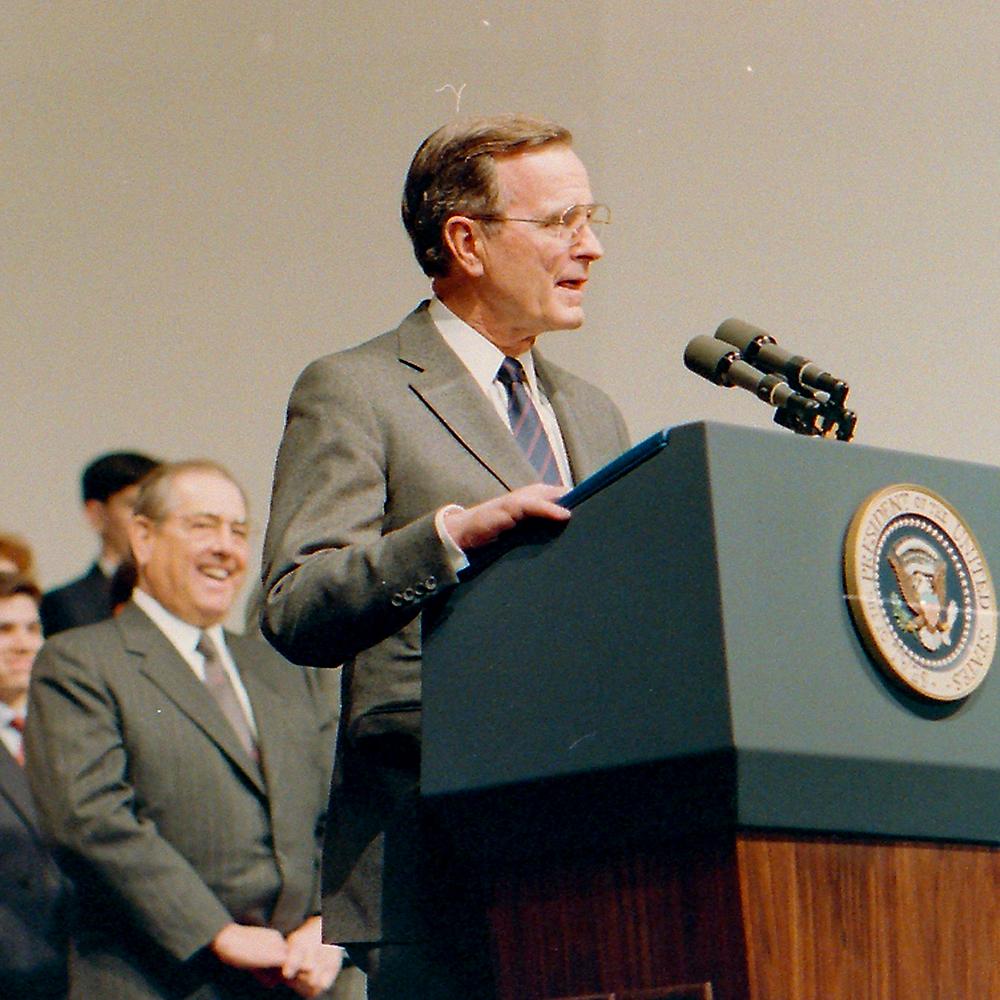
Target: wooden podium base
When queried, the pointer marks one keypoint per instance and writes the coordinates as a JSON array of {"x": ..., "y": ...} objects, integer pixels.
[{"x": 754, "y": 916}]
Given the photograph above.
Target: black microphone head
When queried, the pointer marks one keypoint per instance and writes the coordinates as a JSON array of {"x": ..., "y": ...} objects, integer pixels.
[
  {"x": 741, "y": 334},
  {"x": 709, "y": 358}
]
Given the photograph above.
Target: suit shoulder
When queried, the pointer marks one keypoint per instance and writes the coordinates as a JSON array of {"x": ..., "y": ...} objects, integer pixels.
[
  {"x": 86, "y": 642},
  {"x": 77, "y": 583},
  {"x": 92, "y": 580},
  {"x": 57, "y": 595},
  {"x": 79, "y": 602},
  {"x": 350, "y": 357},
  {"x": 380, "y": 350}
]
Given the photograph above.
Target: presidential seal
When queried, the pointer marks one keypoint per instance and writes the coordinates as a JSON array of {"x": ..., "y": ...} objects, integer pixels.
[{"x": 920, "y": 592}]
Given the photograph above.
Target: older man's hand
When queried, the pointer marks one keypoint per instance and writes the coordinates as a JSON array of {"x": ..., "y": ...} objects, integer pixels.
[
  {"x": 477, "y": 526},
  {"x": 311, "y": 966},
  {"x": 260, "y": 950}
]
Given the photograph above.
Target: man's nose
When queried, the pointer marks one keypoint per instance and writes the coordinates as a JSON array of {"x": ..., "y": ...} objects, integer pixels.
[
  {"x": 26, "y": 641},
  {"x": 226, "y": 540},
  {"x": 588, "y": 246}
]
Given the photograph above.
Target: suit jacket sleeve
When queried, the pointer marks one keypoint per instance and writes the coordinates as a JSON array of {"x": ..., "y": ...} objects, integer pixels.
[
  {"x": 77, "y": 769},
  {"x": 335, "y": 562}
]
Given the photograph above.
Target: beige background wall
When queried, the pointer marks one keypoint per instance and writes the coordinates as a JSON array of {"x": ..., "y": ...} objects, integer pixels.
[{"x": 196, "y": 198}]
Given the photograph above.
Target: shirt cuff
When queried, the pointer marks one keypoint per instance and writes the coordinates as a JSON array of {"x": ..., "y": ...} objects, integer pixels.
[{"x": 457, "y": 559}]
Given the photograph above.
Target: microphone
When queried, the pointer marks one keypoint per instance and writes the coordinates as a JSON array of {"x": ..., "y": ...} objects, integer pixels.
[
  {"x": 811, "y": 411},
  {"x": 722, "y": 364},
  {"x": 761, "y": 350}
]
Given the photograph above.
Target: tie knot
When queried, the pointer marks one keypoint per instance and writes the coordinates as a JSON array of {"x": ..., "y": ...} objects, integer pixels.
[
  {"x": 511, "y": 371},
  {"x": 18, "y": 723},
  {"x": 206, "y": 647}
]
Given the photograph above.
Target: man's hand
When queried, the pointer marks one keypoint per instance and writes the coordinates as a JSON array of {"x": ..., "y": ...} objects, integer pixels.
[
  {"x": 254, "y": 948},
  {"x": 478, "y": 526},
  {"x": 311, "y": 966}
]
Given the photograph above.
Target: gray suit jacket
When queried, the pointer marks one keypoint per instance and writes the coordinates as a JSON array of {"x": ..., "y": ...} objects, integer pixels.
[
  {"x": 377, "y": 439},
  {"x": 166, "y": 825}
]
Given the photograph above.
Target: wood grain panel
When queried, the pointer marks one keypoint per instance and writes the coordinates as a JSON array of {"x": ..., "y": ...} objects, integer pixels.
[
  {"x": 758, "y": 916},
  {"x": 653, "y": 919},
  {"x": 856, "y": 920}
]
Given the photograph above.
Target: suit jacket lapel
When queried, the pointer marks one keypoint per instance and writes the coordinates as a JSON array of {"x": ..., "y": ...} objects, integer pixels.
[
  {"x": 14, "y": 786},
  {"x": 270, "y": 717},
  {"x": 444, "y": 384},
  {"x": 573, "y": 420},
  {"x": 163, "y": 666}
]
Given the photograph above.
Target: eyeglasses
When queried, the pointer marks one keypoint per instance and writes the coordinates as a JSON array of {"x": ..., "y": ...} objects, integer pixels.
[
  {"x": 568, "y": 226},
  {"x": 205, "y": 526}
]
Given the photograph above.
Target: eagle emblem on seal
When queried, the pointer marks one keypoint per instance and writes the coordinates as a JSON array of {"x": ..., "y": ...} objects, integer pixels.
[{"x": 921, "y": 576}]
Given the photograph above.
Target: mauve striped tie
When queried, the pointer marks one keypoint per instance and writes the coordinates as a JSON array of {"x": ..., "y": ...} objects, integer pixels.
[
  {"x": 217, "y": 681},
  {"x": 526, "y": 424}
]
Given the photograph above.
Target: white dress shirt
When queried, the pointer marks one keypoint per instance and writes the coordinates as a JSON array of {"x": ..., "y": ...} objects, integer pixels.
[{"x": 184, "y": 638}]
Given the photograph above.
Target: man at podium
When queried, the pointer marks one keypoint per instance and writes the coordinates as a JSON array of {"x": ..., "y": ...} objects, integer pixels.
[{"x": 400, "y": 457}]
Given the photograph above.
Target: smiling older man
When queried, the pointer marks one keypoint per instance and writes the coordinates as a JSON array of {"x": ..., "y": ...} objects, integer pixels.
[{"x": 180, "y": 770}]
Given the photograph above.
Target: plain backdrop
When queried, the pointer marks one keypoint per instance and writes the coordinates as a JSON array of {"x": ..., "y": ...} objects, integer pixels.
[{"x": 197, "y": 198}]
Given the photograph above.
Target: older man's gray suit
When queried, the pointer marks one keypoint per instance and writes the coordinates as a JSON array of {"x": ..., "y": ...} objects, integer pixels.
[
  {"x": 167, "y": 826},
  {"x": 378, "y": 438}
]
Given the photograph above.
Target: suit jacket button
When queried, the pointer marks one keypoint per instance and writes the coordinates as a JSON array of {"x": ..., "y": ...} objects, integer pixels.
[{"x": 397, "y": 600}]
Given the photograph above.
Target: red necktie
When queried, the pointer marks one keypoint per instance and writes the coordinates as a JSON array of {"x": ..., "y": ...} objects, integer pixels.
[{"x": 18, "y": 723}]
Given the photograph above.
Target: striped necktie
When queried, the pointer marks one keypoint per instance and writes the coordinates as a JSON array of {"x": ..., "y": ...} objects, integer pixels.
[
  {"x": 218, "y": 683},
  {"x": 526, "y": 424}
]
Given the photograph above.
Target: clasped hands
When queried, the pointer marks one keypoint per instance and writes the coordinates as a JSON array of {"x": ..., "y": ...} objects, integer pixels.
[{"x": 301, "y": 961}]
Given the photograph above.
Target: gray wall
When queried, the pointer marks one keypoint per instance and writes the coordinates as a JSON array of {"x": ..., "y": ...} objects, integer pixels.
[{"x": 196, "y": 198}]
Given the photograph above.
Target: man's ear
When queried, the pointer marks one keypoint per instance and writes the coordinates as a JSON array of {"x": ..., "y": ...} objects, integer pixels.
[
  {"x": 95, "y": 513},
  {"x": 464, "y": 239},
  {"x": 140, "y": 538}
]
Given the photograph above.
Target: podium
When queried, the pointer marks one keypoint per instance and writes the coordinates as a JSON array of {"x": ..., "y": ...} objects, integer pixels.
[{"x": 656, "y": 738}]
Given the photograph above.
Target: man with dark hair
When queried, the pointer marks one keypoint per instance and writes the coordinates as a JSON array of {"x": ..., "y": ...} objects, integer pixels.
[
  {"x": 400, "y": 458},
  {"x": 34, "y": 896},
  {"x": 109, "y": 485},
  {"x": 182, "y": 772}
]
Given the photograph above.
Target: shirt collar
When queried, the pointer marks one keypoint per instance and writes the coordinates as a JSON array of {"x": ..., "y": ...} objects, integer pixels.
[
  {"x": 182, "y": 634},
  {"x": 479, "y": 355}
]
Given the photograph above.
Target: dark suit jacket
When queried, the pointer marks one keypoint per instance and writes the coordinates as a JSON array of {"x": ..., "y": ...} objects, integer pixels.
[
  {"x": 377, "y": 439},
  {"x": 81, "y": 602},
  {"x": 169, "y": 829},
  {"x": 34, "y": 897}
]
